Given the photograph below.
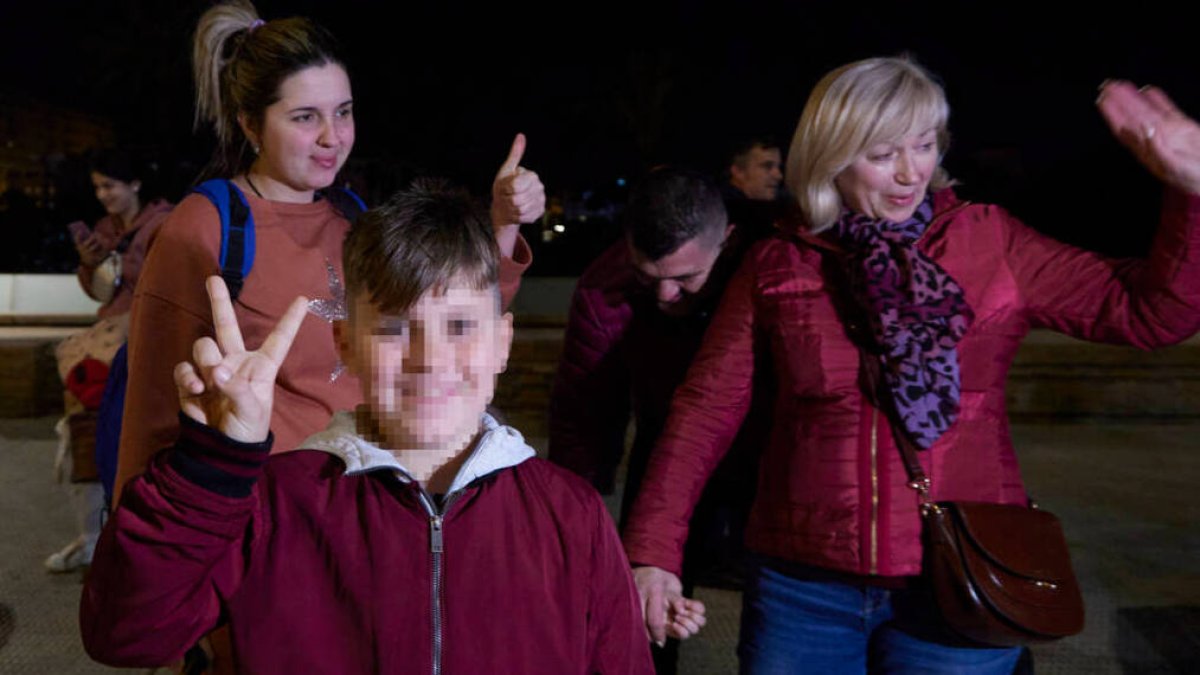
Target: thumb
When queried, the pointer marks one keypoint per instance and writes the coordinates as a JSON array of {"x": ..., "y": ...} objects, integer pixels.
[
  {"x": 514, "y": 156},
  {"x": 225, "y": 383}
]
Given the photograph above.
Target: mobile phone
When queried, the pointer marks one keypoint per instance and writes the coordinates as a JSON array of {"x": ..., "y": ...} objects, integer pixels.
[{"x": 79, "y": 230}]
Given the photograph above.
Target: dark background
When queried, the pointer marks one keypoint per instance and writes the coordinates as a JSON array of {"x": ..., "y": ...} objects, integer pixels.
[{"x": 605, "y": 90}]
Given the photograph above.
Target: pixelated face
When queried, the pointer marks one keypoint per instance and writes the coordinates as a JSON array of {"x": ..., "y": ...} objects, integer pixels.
[
  {"x": 889, "y": 180},
  {"x": 678, "y": 279},
  {"x": 759, "y": 173},
  {"x": 308, "y": 133},
  {"x": 429, "y": 373},
  {"x": 117, "y": 196}
]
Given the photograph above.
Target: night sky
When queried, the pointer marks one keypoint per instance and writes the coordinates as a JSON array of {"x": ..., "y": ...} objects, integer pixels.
[{"x": 604, "y": 90}]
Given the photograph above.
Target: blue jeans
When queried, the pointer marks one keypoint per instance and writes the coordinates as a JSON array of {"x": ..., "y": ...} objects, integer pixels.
[{"x": 792, "y": 625}]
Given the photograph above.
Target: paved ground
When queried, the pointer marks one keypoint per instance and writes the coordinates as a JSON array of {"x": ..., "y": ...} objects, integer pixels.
[{"x": 1126, "y": 495}]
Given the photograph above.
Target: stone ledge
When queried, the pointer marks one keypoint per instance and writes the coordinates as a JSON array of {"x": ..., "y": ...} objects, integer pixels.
[
  {"x": 1053, "y": 377},
  {"x": 1059, "y": 378}
]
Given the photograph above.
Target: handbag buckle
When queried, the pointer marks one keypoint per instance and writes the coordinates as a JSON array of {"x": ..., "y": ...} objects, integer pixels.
[{"x": 922, "y": 485}]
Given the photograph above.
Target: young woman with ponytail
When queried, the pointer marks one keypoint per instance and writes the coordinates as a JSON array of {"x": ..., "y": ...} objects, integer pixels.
[{"x": 278, "y": 95}]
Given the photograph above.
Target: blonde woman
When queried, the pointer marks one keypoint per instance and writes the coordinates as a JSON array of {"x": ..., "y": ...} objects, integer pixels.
[{"x": 940, "y": 293}]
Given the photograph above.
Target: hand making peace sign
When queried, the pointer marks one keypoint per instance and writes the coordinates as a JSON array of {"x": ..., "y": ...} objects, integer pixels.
[{"x": 227, "y": 387}]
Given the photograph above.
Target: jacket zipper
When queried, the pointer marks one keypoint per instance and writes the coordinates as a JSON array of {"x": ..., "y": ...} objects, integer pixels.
[
  {"x": 436, "y": 552},
  {"x": 874, "y": 555},
  {"x": 874, "y": 491}
]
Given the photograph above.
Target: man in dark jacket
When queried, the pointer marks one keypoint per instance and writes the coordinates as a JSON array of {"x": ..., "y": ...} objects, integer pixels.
[
  {"x": 753, "y": 185},
  {"x": 637, "y": 318},
  {"x": 755, "y": 169}
]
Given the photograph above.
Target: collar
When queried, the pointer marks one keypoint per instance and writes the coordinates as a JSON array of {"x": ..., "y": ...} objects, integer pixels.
[{"x": 499, "y": 447}]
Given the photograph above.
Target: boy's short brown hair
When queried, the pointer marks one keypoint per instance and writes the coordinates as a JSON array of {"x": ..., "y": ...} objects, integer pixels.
[{"x": 424, "y": 236}]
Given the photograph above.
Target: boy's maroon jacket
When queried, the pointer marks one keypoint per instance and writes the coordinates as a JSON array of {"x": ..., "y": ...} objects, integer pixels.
[{"x": 328, "y": 561}]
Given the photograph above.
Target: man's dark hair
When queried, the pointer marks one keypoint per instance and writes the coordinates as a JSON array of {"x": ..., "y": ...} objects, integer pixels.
[
  {"x": 740, "y": 151},
  {"x": 423, "y": 237},
  {"x": 671, "y": 206}
]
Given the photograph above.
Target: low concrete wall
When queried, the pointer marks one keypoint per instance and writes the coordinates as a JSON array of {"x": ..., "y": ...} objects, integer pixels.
[
  {"x": 42, "y": 299},
  {"x": 1057, "y": 377},
  {"x": 29, "y": 384},
  {"x": 36, "y": 312},
  {"x": 1053, "y": 377}
]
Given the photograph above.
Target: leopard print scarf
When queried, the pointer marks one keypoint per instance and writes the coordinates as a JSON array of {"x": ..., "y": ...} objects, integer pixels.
[{"x": 917, "y": 315}]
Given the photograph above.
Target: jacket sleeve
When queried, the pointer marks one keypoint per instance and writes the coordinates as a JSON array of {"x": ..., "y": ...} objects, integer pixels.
[
  {"x": 170, "y": 312},
  {"x": 617, "y": 641},
  {"x": 511, "y": 270},
  {"x": 1151, "y": 302},
  {"x": 589, "y": 409},
  {"x": 104, "y": 233},
  {"x": 173, "y": 550},
  {"x": 706, "y": 413}
]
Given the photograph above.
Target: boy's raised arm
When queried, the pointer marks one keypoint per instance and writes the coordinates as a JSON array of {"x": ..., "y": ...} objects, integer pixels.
[{"x": 177, "y": 543}]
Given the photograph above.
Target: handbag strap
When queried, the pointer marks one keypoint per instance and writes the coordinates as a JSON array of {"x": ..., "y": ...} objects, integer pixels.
[{"x": 917, "y": 478}]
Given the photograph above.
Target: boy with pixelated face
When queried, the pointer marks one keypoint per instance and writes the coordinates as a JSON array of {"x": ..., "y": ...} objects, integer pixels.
[
  {"x": 415, "y": 534},
  {"x": 424, "y": 333}
]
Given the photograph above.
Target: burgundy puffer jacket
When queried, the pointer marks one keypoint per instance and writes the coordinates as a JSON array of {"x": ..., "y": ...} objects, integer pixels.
[
  {"x": 330, "y": 560},
  {"x": 832, "y": 487}
]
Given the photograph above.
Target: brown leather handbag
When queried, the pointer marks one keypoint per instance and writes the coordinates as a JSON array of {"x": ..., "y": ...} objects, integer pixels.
[{"x": 1001, "y": 573}]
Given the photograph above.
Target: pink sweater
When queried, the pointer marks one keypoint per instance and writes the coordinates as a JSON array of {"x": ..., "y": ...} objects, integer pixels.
[{"x": 144, "y": 227}]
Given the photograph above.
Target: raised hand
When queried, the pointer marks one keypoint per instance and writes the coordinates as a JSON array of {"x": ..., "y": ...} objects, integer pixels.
[
  {"x": 666, "y": 611},
  {"x": 91, "y": 251},
  {"x": 1164, "y": 139},
  {"x": 518, "y": 196},
  {"x": 227, "y": 387}
]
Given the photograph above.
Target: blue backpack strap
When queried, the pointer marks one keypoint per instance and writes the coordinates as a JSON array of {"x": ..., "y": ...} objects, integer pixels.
[
  {"x": 345, "y": 201},
  {"x": 237, "y": 231}
]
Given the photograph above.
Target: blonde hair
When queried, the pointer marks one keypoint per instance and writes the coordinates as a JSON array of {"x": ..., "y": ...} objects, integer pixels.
[
  {"x": 238, "y": 62},
  {"x": 852, "y": 108}
]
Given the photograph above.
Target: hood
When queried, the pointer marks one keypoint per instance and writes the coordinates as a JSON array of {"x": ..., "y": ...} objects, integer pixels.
[
  {"x": 155, "y": 210},
  {"x": 499, "y": 447}
]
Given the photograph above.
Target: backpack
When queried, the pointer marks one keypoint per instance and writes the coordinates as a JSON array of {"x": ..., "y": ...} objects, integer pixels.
[
  {"x": 237, "y": 225},
  {"x": 236, "y": 259}
]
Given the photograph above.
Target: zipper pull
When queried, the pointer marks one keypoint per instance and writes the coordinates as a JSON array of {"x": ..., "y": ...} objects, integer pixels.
[{"x": 435, "y": 534}]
